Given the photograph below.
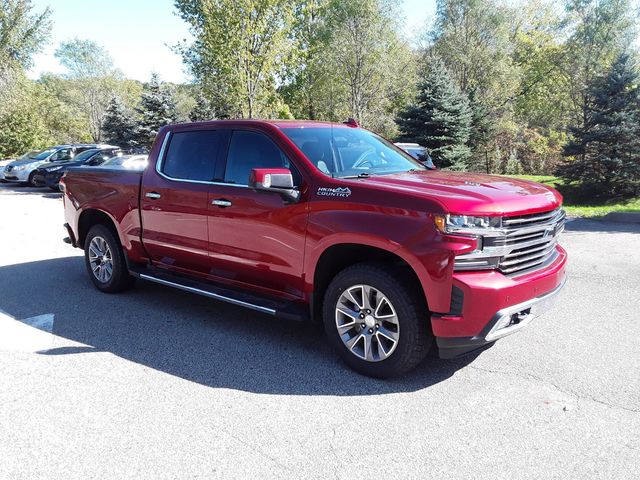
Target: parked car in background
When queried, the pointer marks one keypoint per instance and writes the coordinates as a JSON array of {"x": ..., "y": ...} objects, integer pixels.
[
  {"x": 418, "y": 152},
  {"x": 128, "y": 162},
  {"x": 3, "y": 163},
  {"x": 6, "y": 161},
  {"x": 49, "y": 175},
  {"x": 22, "y": 170}
]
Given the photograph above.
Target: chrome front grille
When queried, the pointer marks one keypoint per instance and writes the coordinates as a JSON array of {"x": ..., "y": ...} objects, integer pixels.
[
  {"x": 531, "y": 240},
  {"x": 520, "y": 244}
]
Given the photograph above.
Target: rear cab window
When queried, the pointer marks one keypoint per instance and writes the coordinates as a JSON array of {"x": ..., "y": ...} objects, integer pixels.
[{"x": 192, "y": 155}]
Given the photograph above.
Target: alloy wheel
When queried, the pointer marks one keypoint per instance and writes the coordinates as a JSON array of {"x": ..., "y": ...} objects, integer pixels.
[
  {"x": 100, "y": 259},
  {"x": 367, "y": 323}
]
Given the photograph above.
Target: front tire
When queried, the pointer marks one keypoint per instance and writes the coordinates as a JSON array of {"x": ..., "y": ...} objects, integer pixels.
[
  {"x": 377, "y": 320},
  {"x": 105, "y": 261},
  {"x": 30, "y": 181}
]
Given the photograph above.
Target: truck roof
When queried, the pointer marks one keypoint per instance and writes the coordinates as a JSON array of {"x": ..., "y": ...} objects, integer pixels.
[{"x": 275, "y": 123}]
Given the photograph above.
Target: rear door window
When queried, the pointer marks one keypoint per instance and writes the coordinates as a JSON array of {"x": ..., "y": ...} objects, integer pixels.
[{"x": 192, "y": 155}]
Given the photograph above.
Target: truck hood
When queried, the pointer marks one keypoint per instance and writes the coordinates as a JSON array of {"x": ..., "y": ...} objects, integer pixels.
[{"x": 473, "y": 193}]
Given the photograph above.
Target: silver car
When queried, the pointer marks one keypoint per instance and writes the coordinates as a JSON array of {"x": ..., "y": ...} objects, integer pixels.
[{"x": 22, "y": 169}]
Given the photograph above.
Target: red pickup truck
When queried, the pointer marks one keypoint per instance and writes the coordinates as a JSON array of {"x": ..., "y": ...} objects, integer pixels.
[{"x": 327, "y": 222}]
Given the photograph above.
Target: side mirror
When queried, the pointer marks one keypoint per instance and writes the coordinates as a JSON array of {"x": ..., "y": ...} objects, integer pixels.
[{"x": 277, "y": 180}]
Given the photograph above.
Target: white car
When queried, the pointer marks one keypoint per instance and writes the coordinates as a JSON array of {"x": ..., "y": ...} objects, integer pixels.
[
  {"x": 418, "y": 152},
  {"x": 3, "y": 163},
  {"x": 22, "y": 169},
  {"x": 128, "y": 162}
]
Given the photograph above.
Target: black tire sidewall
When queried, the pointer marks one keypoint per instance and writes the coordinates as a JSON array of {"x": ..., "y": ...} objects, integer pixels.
[{"x": 413, "y": 317}]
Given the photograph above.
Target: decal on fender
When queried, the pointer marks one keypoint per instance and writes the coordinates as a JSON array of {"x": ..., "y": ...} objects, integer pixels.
[{"x": 334, "y": 192}]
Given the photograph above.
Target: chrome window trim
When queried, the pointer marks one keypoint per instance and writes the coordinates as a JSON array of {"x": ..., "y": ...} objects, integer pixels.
[{"x": 160, "y": 162}]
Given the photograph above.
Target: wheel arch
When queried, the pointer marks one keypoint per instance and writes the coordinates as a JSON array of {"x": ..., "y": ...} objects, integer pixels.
[
  {"x": 93, "y": 216},
  {"x": 338, "y": 256}
]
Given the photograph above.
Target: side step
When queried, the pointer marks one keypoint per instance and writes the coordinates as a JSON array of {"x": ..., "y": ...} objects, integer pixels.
[{"x": 269, "y": 305}]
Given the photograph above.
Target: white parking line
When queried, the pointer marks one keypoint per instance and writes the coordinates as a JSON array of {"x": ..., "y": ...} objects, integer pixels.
[{"x": 29, "y": 335}]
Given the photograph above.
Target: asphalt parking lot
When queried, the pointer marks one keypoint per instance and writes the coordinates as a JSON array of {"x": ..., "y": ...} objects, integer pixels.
[{"x": 158, "y": 383}]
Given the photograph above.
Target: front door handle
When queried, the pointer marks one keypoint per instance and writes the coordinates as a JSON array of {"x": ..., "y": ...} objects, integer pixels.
[
  {"x": 152, "y": 195},
  {"x": 221, "y": 202}
]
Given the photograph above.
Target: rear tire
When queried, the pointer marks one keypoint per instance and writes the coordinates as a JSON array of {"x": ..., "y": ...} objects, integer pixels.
[
  {"x": 389, "y": 332},
  {"x": 105, "y": 261}
]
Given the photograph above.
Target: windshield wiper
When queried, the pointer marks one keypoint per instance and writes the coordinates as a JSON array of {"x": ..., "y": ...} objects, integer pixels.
[{"x": 360, "y": 175}]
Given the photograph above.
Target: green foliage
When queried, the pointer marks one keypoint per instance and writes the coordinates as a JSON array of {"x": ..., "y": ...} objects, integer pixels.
[
  {"x": 202, "y": 110},
  {"x": 440, "y": 119},
  {"x": 22, "y": 33},
  {"x": 91, "y": 74},
  {"x": 606, "y": 145},
  {"x": 157, "y": 109},
  {"x": 36, "y": 119},
  {"x": 352, "y": 62},
  {"x": 238, "y": 50},
  {"x": 118, "y": 125},
  {"x": 84, "y": 59}
]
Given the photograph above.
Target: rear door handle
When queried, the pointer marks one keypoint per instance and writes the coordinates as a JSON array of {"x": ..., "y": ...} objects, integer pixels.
[
  {"x": 152, "y": 195},
  {"x": 221, "y": 202}
]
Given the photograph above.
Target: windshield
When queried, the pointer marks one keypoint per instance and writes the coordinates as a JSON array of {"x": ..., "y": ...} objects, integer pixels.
[
  {"x": 41, "y": 154},
  {"x": 350, "y": 152},
  {"x": 30, "y": 155},
  {"x": 86, "y": 155}
]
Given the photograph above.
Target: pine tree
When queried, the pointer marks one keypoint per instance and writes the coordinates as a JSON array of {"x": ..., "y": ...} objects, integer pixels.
[
  {"x": 440, "y": 120},
  {"x": 157, "y": 109},
  {"x": 118, "y": 126},
  {"x": 606, "y": 147},
  {"x": 481, "y": 133},
  {"x": 202, "y": 110}
]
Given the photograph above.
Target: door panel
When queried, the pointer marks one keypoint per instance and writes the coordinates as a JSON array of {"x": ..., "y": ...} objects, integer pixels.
[
  {"x": 175, "y": 225},
  {"x": 174, "y": 201},
  {"x": 258, "y": 240}
]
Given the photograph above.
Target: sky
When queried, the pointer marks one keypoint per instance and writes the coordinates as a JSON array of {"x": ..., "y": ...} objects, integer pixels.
[{"x": 137, "y": 33}]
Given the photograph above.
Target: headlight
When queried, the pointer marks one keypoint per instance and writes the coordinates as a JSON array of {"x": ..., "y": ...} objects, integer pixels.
[
  {"x": 466, "y": 224},
  {"x": 477, "y": 227},
  {"x": 53, "y": 169},
  {"x": 19, "y": 168}
]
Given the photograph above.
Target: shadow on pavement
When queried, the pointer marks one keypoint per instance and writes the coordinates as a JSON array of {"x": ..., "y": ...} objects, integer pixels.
[
  {"x": 24, "y": 189},
  {"x": 198, "y": 339},
  {"x": 601, "y": 224}
]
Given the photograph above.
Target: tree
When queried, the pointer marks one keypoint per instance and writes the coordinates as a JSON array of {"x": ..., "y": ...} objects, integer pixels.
[
  {"x": 37, "y": 119},
  {"x": 601, "y": 29},
  {"x": 156, "y": 110},
  {"x": 472, "y": 38},
  {"x": 238, "y": 51},
  {"x": 22, "y": 33},
  {"x": 350, "y": 61},
  {"x": 202, "y": 110},
  {"x": 480, "y": 134},
  {"x": 118, "y": 126},
  {"x": 440, "y": 120},
  {"x": 90, "y": 69},
  {"x": 606, "y": 146}
]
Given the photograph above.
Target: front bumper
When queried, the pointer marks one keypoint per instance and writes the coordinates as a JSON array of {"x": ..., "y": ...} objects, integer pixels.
[
  {"x": 52, "y": 179},
  {"x": 17, "y": 175},
  {"x": 492, "y": 306}
]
